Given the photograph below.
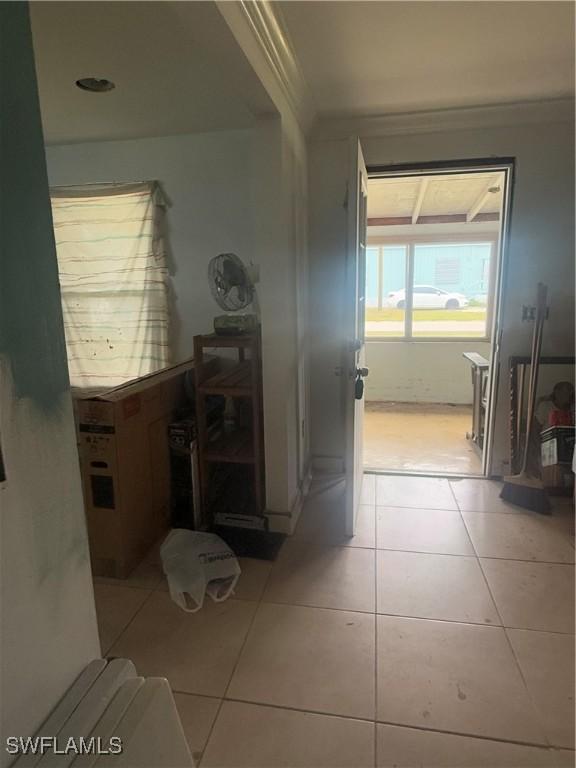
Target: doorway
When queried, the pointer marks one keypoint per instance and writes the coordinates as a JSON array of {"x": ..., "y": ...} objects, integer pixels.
[{"x": 434, "y": 255}]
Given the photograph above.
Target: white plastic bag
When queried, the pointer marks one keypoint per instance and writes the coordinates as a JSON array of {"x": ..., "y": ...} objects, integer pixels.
[{"x": 197, "y": 563}]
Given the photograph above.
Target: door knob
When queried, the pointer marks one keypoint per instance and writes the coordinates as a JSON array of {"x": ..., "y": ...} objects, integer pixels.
[{"x": 361, "y": 373}]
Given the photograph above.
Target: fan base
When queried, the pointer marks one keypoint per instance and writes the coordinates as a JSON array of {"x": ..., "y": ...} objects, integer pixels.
[{"x": 234, "y": 325}]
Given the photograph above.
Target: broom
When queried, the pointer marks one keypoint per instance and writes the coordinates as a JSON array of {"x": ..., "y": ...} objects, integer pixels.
[{"x": 523, "y": 489}]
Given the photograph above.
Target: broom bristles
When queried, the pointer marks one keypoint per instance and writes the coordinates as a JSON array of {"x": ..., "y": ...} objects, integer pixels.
[{"x": 526, "y": 492}]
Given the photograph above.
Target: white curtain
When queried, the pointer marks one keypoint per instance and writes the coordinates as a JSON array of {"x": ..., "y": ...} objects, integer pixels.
[{"x": 113, "y": 280}]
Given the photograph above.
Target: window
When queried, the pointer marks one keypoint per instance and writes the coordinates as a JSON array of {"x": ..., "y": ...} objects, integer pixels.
[
  {"x": 447, "y": 295},
  {"x": 113, "y": 281}
]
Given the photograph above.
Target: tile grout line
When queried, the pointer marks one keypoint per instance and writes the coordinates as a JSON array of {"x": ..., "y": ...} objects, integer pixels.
[
  {"x": 125, "y": 629},
  {"x": 454, "y": 496},
  {"x": 393, "y": 723},
  {"x": 539, "y": 715},
  {"x": 535, "y": 710},
  {"x": 472, "y": 556},
  {"x": 478, "y": 562},
  {"x": 533, "y": 744},
  {"x": 375, "y": 734},
  {"x": 223, "y": 698},
  {"x": 415, "y": 618},
  {"x": 261, "y": 601}
]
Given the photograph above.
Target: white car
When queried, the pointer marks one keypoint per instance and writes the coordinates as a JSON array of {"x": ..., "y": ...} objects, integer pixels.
[{"x": 428, "y": 297}]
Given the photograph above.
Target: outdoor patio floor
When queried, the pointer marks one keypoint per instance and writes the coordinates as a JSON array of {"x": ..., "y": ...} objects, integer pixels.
[{"x": 419, "y": 437}]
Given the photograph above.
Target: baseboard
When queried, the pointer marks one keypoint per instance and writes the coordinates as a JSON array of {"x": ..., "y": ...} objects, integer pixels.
[
  {"x": 285, "y": 522},
  {"x": 331, "y": 465}
]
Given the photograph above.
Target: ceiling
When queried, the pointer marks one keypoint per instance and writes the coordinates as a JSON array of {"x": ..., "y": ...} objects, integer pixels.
[
  {"x": 176, "y": 66},
  {"x": 449, "y": 203},
  {"x": 445, "y": 195},
  {"x": 388, "y": 57}
]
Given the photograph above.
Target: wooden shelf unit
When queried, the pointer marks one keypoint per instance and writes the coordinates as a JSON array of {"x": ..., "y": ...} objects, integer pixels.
[
  {"x": 242, "y": 380},
  {"x": 236, "y": 382}
]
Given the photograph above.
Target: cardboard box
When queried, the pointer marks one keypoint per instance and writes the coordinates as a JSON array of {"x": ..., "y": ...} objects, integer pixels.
[
  {"x": 124, "y": 460},
  {"x": 557, "y": 448},
  {"x": 557, "y": 445}
]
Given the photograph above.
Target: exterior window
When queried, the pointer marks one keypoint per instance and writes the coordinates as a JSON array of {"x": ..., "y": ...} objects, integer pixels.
[
  {"x": 447, "y": 296},
  {"x": 113, "y": 281}
]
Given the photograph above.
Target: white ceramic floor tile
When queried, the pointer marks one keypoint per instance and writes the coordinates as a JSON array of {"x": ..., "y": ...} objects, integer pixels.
[
  {"x": 365, "y": 529},
  {"x": 252, "y": 581},
  {"x": 253, "y": 736},
  {"x": 322, "y": 518},
  {"x": 308, "y": 658},
  {"x": 320, "y": 524},
  {"x": 116, "y": 606},
  {"x": 197, "y": 714},
  {"x": 477, "y": 495},
  {"x": 519, "y": 537},
  {"x": 148, "y": 574},
  {"x": 398, "y": 747},
  {"x": 368, "y": 489},
  {"x": 324, "y": 524},
  {"x": 448, "y": 587},
  {"x": 563, "y": 758},
  {"x": 326, "y": 491},
  {"x": 195, "y": 651},
  {"x": 564, "y": 516},
  {"x": 414, "y": 492},
  {"x": 325, "y": 577},
  {"x": 547, "y": 663},
  {"x": 532, "y": 595},
  {"x": 422, "y": 530},
  {"x": 461, "y": 678}
]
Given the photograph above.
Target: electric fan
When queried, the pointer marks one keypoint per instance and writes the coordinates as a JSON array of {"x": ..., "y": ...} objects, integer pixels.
[{"x": 233, "y": 290}]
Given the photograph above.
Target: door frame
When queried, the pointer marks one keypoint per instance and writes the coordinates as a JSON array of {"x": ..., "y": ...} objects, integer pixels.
[{"x": 507, "y": 165}]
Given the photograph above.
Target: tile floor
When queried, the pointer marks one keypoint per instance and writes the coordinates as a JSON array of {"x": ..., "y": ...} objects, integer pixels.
[
  {"x": 419, "y": 437},
  {"x": 440, "y": 636}
]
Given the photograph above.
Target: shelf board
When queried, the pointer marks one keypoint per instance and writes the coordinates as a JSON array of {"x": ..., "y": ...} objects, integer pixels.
[
  {"x": 235, "y": 381},
  {"x": 233, "y": 448},
  {"x": 214, "y": 340}
]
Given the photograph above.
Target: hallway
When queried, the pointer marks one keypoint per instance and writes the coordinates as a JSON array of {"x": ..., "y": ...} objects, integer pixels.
[{"x": 440, "y": 635}]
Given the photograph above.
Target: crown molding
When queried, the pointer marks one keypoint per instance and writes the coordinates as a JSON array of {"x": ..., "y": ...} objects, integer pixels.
[
  {"x": 436, "y": 121},
  {"x": 260, "y": 23}
]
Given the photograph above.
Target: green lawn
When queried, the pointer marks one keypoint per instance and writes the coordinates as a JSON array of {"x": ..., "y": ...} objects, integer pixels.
[
  {"x": 463, "y": 334},
  {"x": 430, "y": 315}
]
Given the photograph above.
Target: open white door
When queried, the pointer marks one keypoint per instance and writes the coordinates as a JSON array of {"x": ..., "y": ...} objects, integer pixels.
[{"x": 353, "y": 368}]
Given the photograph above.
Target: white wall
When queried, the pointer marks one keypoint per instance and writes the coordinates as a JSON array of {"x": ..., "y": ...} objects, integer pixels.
[
  {"x": 207, "y": 179},
  {"x": 541, "y": 241},
  {"x": 225, "y": 196},
  {"x": 421, "y": 372},
  {"x": 48, "y": 622},
  {"x": 243, "y": 191},
  {"x": 280, "y": 207}
]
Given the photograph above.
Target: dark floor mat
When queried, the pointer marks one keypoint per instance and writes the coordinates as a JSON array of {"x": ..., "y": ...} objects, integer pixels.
[{"x": 245, "y": 542}]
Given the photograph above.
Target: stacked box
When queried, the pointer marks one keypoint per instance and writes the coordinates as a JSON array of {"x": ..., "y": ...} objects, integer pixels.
[{"x": 125, "y": 466}]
